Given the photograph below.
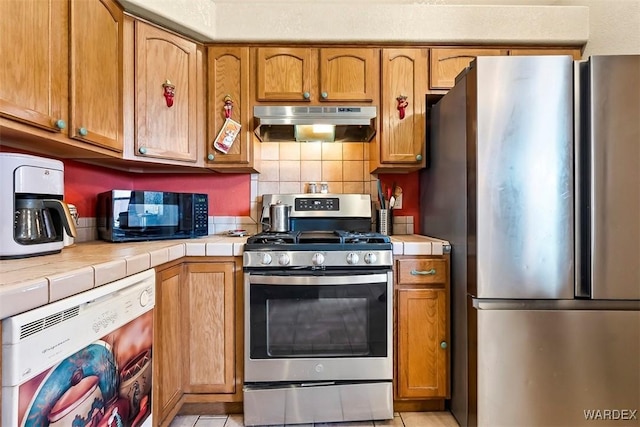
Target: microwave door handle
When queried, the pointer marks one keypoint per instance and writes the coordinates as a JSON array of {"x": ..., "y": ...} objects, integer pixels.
[{"x": 361, "y": 279}]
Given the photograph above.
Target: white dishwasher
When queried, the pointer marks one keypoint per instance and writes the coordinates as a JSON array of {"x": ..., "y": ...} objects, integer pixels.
[{"x": 82, "y": 361}]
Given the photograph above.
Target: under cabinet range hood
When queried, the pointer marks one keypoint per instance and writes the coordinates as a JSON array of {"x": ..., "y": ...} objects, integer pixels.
[{"x": 314, "y": 123}]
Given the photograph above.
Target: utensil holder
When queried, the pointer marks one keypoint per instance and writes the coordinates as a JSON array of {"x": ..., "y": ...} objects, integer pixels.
[{"x": 384, "y": 222}]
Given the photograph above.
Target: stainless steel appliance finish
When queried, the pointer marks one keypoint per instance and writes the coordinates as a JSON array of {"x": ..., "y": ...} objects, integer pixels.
[
  {"x": 608, "y": 120},
  {"x": 545, "y": 282},
  {"x": 318, "y": 315},
  {"x": 33, "y": 217},
  {"x": 315, "y": 123},
  {"x": 318, "y": 404}
]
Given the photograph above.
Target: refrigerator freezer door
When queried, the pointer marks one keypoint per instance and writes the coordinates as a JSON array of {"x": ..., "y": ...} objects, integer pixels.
[
  {"x": 520, "y": 179},
  {"x": 558, "y": 368},
  {"x": 614, "y": 113}
]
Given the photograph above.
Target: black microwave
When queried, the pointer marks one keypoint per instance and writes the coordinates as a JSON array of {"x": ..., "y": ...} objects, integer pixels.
[{"x": 137, "y": 215}]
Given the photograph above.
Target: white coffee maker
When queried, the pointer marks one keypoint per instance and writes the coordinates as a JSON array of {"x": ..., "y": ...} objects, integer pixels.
[{"x": 33, "y": 218}]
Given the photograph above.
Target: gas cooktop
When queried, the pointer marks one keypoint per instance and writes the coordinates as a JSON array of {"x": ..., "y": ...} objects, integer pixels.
[
  {"x": 318, "y": 249},
  {"x": 339, "y": 237}
]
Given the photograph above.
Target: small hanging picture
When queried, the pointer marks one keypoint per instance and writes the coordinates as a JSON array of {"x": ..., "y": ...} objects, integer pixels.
[{"x": 227, "y": 135}]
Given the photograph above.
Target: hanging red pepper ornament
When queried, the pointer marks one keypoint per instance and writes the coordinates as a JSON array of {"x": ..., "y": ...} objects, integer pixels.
[
  {"x": 228, "y": 106},
  {"x": 402, "y": 104},
  {"x": 169, "y": 92}
]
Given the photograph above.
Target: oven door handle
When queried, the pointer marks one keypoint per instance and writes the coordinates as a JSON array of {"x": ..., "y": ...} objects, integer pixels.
[{"x": 363, "y": 279}]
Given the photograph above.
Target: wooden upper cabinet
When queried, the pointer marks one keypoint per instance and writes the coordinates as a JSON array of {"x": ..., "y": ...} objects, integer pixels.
[
  {"x": 348, "y": 74},
  {"x": 446, "y": 64},
  {"x": 210, "y": 303},
  {"x": 34, "y": 62},
  {"x": 575, "y": 52},
  {"x": 317, "y": 75},
  {"x": 164, "y": 130},
  {"x": 283, "y": 74},
  {"x": 228, "y": 75},
  {"x": 96, "y": 74},
  {"x": 404, "y": 73}
]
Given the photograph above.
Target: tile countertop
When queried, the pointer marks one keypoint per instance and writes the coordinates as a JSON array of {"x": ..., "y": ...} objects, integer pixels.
[{"x": 32, "y": 282}]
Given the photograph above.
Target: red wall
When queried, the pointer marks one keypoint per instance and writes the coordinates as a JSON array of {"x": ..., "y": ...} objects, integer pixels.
[
  {"x": 410, "y": 194},
  {"x": 229, "y": 194}
]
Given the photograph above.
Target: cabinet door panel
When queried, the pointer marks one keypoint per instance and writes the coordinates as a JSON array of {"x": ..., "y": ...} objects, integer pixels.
[
  {"x": 165, "y": 131},
  {"x": 96, "y": 74},
  {"x": 446, "y": 64},
  {"x": 422, "y": 368},
  {"x": 404, "y": 72},
  {"x": 167, "y": 378},
  {"x": 33, "y": 62},
  {"x": 348, "y": 74},
  {"x": 229, "y": 75},
  {"x": 210, "y": 303},
  {"x": 283, "y": 74}
]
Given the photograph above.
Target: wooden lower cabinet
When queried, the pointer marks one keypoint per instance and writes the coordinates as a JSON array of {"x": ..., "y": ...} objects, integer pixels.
[
  {"x": 168, "y": 344},
  {"x": 422, "y": 328},
  {"x": 209, "y": 302},
  {"x": 197, "y": 337}
]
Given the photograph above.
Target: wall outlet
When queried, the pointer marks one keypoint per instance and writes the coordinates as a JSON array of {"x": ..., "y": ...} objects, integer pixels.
[{"x": 398, "y": 202}]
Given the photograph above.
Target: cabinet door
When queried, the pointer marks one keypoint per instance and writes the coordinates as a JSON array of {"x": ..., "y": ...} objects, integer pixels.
[
  {"x": 422, "y": 357},
  {"x": 165, "y": 130},
  {"x": 551, "y": 51},
  {"x": 168, "y": 345},
  {"x": 283, "y": 74},
  {"x": 96, "y": 73},
  {"x": 210, "y": 304},
  {"x": 349, "y": 74},
  {"x": 229, "y": 76},
  {"x": 404, "y": 73},
  {"x": 34, "y": 62},
  {"x": 446, "y": 64}
]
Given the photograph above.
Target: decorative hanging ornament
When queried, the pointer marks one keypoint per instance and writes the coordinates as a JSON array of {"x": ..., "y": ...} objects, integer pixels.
[
  {"x": 169, "y": 92},
  {"x": 402, "y": 105},
  {"x": 228, "y": 106}
]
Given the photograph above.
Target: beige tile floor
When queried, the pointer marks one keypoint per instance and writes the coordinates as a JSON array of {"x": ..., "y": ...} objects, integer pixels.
[{"x": 403, "y": 419}]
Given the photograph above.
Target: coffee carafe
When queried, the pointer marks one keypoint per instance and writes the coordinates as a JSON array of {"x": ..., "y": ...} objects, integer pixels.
[
  {"x": 34, "y": 221},
  {"x": 34, "y": 218}
]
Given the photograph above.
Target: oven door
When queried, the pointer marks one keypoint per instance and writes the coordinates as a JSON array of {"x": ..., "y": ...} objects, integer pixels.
[{"x": 318, "y": 326}]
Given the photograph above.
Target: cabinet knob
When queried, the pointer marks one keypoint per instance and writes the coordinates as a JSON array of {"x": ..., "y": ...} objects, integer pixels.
[
  {"x": 142, "y": 150},
  {"x": 210, "y": 156},
  {"x": 324, "y": 95},
  {"x": 443, "y": 344},
  {"x": 306, "y": 95},
  {"x": 61, "y": 124},
  {"x": 83, "y": 131},
  {"x": 419, "y": 157}
]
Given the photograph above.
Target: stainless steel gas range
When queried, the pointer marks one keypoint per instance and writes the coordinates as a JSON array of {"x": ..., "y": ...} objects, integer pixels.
[{"x": 318, "y": 315}]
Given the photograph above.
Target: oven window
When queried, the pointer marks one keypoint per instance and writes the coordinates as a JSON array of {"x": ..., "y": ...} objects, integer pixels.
[{"x": 318, "y": 321}]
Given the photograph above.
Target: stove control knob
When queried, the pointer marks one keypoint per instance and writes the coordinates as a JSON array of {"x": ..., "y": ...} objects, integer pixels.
[
  {"x": 266, "y": 259},
  {"x": 370, "y": 258},
  {"x": 317, "y": 259},
  {"x": 284, "y": 259},
  {"x": 352, "y": 258}
]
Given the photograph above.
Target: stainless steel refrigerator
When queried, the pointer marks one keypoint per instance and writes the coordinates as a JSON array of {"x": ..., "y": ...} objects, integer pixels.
[{"x": 534, "y": 178}]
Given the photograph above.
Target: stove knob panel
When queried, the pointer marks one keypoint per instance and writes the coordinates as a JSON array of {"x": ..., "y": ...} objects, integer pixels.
[
  {"x": 370, "y": 258},
  {"x": 266, "y": 259},
  {"x": 317, "y": 259},
  {"x": 284, "y": 259},
  {"x": 352, "y": 258}
]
